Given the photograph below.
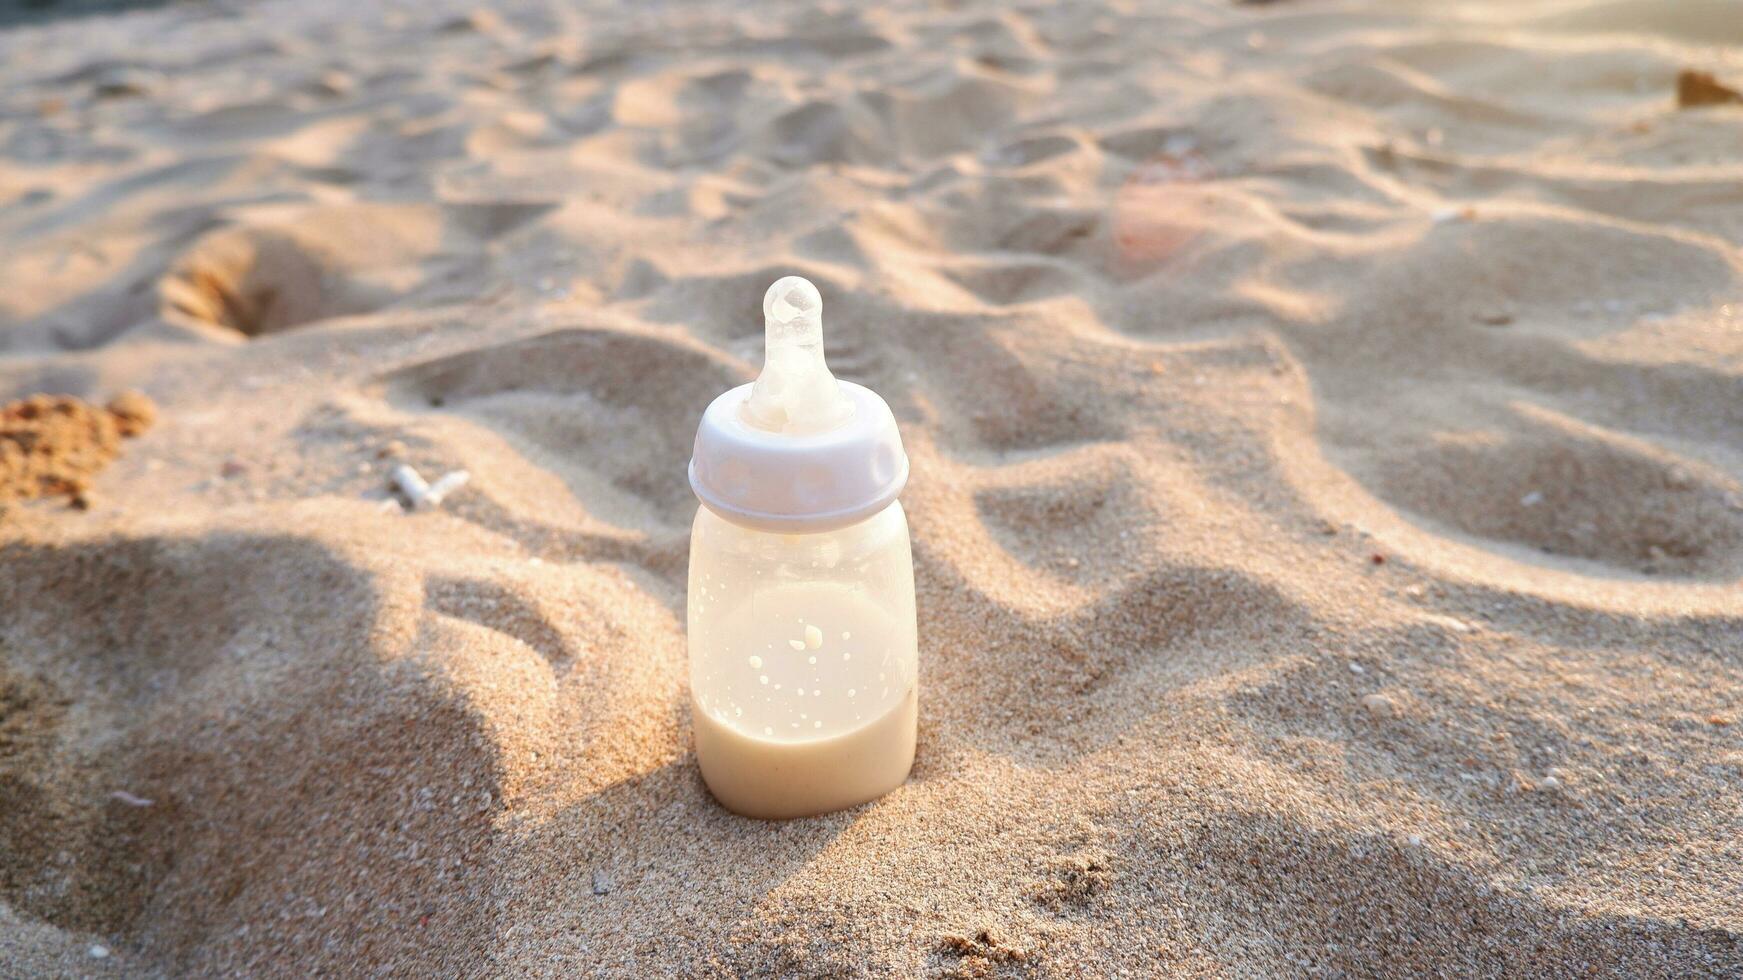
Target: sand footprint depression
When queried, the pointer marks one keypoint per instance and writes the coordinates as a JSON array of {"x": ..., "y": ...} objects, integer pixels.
[{"x": 337, "y": 260}]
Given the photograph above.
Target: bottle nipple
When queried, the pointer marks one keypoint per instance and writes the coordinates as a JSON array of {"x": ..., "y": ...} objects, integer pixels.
[{"x": 796, "y": 394}]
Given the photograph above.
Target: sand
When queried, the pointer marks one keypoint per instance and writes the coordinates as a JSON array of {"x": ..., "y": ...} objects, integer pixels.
[
  {"x": 1327, "y": 436},
  {"x": 52, "y": 446}
]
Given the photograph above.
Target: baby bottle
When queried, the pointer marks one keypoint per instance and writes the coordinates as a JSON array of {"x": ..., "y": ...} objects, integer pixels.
[{"x": 801, "y": 604}]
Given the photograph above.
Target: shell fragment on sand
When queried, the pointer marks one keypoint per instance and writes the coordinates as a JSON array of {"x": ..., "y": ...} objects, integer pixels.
[
  {"x": 419, "y": 494},
  {"x": 1380, "y": 706}
]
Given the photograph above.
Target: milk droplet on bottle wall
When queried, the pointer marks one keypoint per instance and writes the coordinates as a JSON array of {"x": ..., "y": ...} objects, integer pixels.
[{"x": 803, "y": 686}]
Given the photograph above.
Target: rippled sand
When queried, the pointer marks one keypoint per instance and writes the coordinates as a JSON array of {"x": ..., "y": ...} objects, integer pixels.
[{"x": 1327, "y": 429}]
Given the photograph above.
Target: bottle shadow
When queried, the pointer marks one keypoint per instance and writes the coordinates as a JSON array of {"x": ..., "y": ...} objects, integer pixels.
[{"x": 653, "y": 864}]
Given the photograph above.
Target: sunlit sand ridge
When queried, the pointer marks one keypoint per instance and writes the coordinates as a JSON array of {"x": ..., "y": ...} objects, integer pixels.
[{"x": 1327, "y": 490}]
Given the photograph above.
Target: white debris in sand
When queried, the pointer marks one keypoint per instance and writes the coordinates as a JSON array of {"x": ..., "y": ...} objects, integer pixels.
[
  {"x": 129, "y": 798},
  {"x": 449, "y": 483},
  {"x": 421, "y": 495},
  {"x": 98, "y": 952},
  {"x": 409, "y": 482},
  {"x": 1531, "y": 499}
]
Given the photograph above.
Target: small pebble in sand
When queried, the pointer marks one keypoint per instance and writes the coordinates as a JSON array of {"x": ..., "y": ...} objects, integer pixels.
[
  {"x": 98, "y": 952},
  {"x": 1448, "y": 622},
  {"x": 602, "y": 883},
  {"x": 1555, "y": 780},
  {"x": 1356, "y": 668},
  {"x": 333, "y": 84},
  {"x": 480, "y": 21},
  {"x": 1377, "y": 558},
  {"x": 123, "y": 81},
  {"x": 1531, "y": 499},
  {"x": 1678, "y": 478},
  {"x": 134, "y": 413},
  {"x": 1380, "y": 706}
]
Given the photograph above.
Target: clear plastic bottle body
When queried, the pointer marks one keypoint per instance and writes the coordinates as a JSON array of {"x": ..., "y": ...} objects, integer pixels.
[{"x": 803, "y": 663}]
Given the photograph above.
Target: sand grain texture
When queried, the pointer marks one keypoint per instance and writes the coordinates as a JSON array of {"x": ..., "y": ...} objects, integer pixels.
[
  {"x": 1327, "y": 430},
  {"x": 53, "y": 446}
]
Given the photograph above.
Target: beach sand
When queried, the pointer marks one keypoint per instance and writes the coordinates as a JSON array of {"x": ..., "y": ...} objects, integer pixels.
[{"x": 1327, "y": 435}]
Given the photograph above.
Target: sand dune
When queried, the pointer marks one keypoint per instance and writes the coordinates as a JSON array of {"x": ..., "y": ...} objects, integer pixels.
[{"x": 1327, "y": 485}]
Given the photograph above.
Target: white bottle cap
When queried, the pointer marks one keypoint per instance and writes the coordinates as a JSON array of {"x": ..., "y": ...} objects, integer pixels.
[{"x": 797, "y": 451}]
